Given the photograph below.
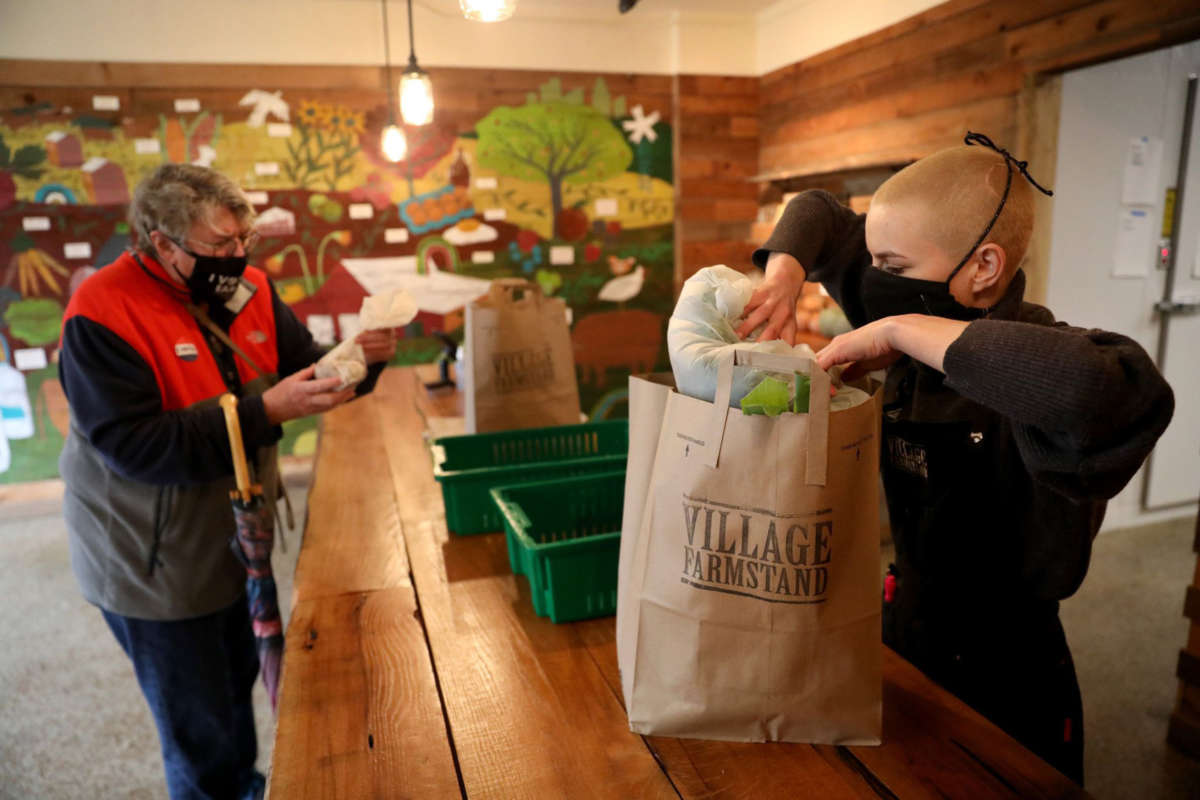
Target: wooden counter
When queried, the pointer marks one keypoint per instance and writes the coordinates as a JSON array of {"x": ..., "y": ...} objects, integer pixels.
[{"x": 415, "y": 667}]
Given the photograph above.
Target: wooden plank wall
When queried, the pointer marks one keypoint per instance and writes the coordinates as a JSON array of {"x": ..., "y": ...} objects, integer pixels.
[
  {"x": 717, "y": 132},
  {"x": 992, "y": 66},
  {"x": 914, "y": 87}
]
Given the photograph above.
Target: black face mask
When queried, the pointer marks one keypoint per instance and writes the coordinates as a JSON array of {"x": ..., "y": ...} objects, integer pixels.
[
  {"x": 214, "y": 279},
  {"x": 887, "y": 295}
]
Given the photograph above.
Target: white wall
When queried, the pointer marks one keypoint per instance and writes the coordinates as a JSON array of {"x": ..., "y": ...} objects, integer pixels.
[
  {"x": 792, "y": 30},
  {"x": 584, "y": 38},
  {"x": 1102, "y": 108},
  {"x": 657, "y": 37}
]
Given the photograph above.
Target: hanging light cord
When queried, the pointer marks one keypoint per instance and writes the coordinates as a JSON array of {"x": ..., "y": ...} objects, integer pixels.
[
  {"x": 387, "y": 60},
  {"x": 412, "y": 48}
]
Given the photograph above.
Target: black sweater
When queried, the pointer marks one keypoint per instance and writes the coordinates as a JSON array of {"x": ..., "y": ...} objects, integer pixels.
[{"x": 998, "y": 472}]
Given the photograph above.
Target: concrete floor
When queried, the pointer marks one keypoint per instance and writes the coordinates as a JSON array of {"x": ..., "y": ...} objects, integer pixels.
[{"x": 73, "y": 723}]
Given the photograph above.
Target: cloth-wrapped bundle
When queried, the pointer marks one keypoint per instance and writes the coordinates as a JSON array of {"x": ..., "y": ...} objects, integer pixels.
[
  {"x": 378, "y": 312},
  {"x": 702, "y": 332},
  {"x": 346, "y": 361}
]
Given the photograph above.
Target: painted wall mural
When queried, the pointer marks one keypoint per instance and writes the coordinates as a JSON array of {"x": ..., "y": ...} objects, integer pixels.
[{"x": 570, "y": 189}]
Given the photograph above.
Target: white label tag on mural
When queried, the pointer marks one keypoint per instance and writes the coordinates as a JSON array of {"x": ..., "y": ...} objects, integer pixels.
[
  {"x": 146, "y": 147},
  {"x": 606, "y": 207},
  {"x": 349, "y": 326},
  {"x": 106, "y": 102},
  {"x": 321, "y": 328},
  {"x": 77, "y": 250},
  {"x": 562, "y": 254},
  {"x": 279, "y": 130},
  {"x": 35, "y": 223},
  {"x": 267, "y": 168},
  {"x": 257, "y": 198},
  {"x": 186, "y": 105},
  {"x": 493, "y": 214},
  {"x": 361, "y": 211},
  {"x": 29, "y": 358},
  {"x": 483, "y": 257},
  {"x": 395, "y": 235},
  {"x": 486, "y": 182}
]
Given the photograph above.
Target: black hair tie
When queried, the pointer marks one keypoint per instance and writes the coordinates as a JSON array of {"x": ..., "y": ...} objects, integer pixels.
[{"x": 1022, "y": 166}]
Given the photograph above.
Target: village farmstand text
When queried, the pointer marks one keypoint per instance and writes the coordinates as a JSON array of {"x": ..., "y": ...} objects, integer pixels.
[
  {"x": 756, "y": 553},
  {"x": 522, "y": 370}
]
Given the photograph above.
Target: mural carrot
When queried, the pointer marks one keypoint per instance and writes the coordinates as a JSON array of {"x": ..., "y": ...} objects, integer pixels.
[{"x": 30, "y": 266}]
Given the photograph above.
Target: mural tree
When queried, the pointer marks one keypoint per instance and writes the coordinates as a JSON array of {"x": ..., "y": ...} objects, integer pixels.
[{"x": 557, "y": 142}]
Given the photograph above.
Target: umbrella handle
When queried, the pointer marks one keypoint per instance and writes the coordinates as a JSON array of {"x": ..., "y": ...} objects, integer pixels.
[{"x": 234, "y": 427}]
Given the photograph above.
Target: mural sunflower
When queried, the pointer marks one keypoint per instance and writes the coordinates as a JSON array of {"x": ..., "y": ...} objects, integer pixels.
[
  {"x": 351, "y": 121},
  {"x": 334, "y": 120},
  {"x": 312, "y": 114},
  {"x": 346, "y": 126}
]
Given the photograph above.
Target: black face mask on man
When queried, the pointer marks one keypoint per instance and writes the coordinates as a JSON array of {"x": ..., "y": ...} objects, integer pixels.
[
  {"x": 214, "y": 279},
  {"x": 887, "y": 295}
]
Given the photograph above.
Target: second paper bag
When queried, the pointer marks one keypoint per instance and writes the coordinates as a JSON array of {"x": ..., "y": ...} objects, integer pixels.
[{"x": 519, "y": 369}]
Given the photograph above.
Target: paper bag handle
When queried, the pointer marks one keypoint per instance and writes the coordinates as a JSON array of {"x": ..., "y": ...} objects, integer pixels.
[
  {"x": 818, "y": 405},
  {"x": 502, "y": 290}
]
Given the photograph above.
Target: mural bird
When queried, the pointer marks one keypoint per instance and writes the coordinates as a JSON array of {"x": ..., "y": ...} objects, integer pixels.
[
  {"x": 624, "y": 287},
  {"x": 265, "y": 103}
]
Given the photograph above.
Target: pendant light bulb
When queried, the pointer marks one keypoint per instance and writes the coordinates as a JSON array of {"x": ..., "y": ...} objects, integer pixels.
[
  {"x": 395, "y": 143},
  {"x": 416, "y": 96},
  {"x": 488, "y": 10},
  {"x": 416, "y": 90}
]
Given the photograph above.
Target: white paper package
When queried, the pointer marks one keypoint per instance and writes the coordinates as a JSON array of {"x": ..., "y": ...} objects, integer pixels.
[
  {"x": 702, "y": 332},
  {"x": 378, "y": 312}
]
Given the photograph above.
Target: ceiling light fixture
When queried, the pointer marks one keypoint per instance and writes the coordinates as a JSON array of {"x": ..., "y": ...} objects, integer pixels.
[
  {"x": 416, "y": 90},
  {"x": 488, "y": 10},
  {"x": 394, "y": 143}
]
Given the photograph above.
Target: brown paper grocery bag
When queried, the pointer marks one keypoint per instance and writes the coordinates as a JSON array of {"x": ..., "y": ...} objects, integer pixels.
[
  {"x": 750, "y": 608},
  {"x": 648, "y": 396},
  {"x": 519, "y": 365}
]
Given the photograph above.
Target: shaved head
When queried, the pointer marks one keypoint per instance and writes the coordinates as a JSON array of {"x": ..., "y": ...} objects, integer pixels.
[{"x": 952, "y": 196}]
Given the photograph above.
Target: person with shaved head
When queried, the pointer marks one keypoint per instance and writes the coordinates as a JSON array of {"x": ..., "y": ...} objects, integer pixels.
[{"x": 1005, "y": 432}]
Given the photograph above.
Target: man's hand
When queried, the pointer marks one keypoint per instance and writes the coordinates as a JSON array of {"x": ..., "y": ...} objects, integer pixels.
[
  {"x": 881, "y": 343},
  {"x": 378, "y": 345},
  {"x": 298, "y": 395},
  {"x": 774, "y": 301}
]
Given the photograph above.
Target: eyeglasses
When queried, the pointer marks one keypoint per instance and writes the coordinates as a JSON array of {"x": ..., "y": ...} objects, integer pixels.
[{"x": 227, "y": 246}]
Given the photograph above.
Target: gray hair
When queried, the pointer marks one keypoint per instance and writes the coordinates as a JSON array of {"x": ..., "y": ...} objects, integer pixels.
[{"x": 176, "y": 196}]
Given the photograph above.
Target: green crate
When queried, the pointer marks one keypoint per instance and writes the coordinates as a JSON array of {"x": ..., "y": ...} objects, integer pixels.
[
  {"x": 469, "y": 466},
  {"x": 564, "y": 535}
]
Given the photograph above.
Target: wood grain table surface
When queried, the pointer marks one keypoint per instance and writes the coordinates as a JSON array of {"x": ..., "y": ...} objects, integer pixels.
[{"x": 415, "y": 666}]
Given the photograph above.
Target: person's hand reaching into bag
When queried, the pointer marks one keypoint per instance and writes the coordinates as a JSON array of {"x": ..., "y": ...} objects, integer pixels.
[
  {"x": 378, "y": 345},
  {"x": 879, "y": 344},
  {"x": 774, "y": 301}
]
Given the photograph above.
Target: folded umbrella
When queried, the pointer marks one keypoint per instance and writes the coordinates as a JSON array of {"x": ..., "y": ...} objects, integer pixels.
[{"x": 252, "y": 544}]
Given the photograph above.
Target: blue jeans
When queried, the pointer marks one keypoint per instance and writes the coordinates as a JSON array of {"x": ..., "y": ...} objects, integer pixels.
[{"x": 196, "y": 675}]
